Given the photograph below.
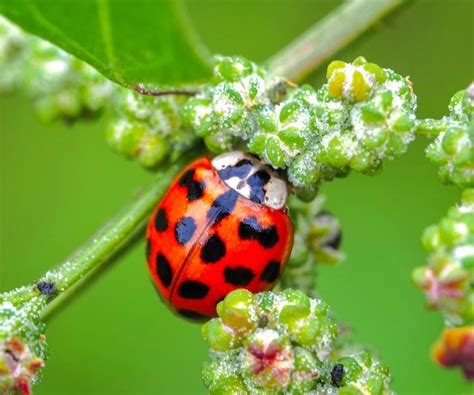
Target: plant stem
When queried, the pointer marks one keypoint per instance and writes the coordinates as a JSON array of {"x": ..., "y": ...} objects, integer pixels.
[
  {"x": 103, "y": 246},
  {"x": 328, "y": 36},
  {"x": 430, "y": 127}
]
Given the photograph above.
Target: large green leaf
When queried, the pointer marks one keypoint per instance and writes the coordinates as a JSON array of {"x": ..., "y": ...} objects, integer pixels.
[{"x": 129, "y": 41}]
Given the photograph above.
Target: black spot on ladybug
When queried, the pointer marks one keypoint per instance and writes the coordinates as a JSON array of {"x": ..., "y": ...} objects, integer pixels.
[
  {"x": 256, "y": 182},
  {"x": 223, "y": 206},
  {"x": 190, "y": 289},
  {"x": 238, "y": 275},
  {"x": 213, "y": 249},
  {"x": 47, "y": 288},
  {"x": 240, "y": 170},
  {"x": 193, "y": 315},
  {"x": 271, "y": 272},
  {"x": 148, "y": 249},
  {"x": 250, "y": 229},
  {"x": 163, "y": 269},
  {"x": 161, "y": 221},
  {"x": 337, "y": 373},
  {"x": 184, "y": 230},
  {"x": 195, "y": 188}
]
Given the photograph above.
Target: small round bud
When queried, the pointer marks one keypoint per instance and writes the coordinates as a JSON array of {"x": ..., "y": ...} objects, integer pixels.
[
  {"x": 148, "y": 128},
  {"x": 278, "y": 343}
]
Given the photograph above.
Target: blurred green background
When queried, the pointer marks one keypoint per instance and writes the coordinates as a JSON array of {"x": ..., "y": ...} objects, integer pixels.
[{"x": 60, "y": 183}]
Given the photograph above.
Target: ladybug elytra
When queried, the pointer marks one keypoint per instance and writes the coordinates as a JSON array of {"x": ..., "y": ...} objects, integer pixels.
[{"x": 222, "y": 225}]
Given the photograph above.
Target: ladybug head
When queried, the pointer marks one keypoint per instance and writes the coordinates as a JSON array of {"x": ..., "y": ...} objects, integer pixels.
[{"x": 251, "y": 178}]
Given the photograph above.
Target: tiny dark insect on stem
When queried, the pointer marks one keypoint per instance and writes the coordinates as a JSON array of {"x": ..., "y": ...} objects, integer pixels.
[{"x": 147, "y": 92}]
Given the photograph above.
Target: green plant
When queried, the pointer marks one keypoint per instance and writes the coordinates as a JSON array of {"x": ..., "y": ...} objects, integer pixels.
[{"x": 363, "y": 115}]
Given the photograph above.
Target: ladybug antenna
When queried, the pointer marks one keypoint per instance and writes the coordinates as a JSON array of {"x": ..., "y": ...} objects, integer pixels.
[{"x": 147, "y": 92}]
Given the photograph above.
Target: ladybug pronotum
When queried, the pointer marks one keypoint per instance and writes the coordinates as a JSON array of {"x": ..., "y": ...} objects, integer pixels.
[{"x": 222, "y": 225}]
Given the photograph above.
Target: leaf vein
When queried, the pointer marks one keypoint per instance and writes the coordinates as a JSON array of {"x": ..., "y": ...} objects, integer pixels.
[{"x": 106, "y": 30}]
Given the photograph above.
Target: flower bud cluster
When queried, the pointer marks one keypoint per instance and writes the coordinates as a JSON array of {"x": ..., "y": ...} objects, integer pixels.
[
  {"x": 23, "y": 347},
  {"x": 453, "y": 148},
  {"x": 60, "y": 85},
  {"x": 275, "y": 343},
  {"x": 147, "y": 128},
  {"x": 363, "y": 115},
  {"x": 448, "y": 277}
]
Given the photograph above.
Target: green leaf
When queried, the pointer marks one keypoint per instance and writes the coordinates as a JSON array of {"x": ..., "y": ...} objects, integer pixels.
[{"x": 130, "y": 42}]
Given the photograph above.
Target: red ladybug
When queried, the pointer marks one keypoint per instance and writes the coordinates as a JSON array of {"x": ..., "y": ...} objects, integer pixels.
[{"x": 222, "y": 225}]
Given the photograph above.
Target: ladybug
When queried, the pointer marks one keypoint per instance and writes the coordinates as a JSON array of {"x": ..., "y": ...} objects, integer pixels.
[{"x": 222, "y": 225}]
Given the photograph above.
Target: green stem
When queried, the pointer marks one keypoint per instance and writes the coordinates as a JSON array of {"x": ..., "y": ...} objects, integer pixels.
[
  {"x": 103, "y": 246},
  {"x": 430, "y": 127},
  {"x": 328, "y": 36}
]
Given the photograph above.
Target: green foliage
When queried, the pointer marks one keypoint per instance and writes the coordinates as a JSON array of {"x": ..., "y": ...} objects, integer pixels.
[
  {"x": 147, "y": 128},
  {"x": 448, "y": 278},
  {"x": 228, "y": 109},
  {"x": 316, "y": 135},
  {"x": 60, "y": 85},
  {"x": 275, "y": 343},
  {"x": 453, "y": 149},
  {"x": 128, "y": 44}
]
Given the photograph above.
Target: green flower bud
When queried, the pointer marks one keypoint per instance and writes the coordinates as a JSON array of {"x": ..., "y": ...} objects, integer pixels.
[
  {"x": 453, "y": 149},
  {"x": 148, "y": 128},
  {"x": 361, "y": 374},
  {"x": 283, "y": 349},
  {"x": 236, "y": 311}
]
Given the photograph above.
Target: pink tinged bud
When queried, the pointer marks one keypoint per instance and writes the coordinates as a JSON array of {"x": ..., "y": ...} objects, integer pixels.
[
  {"x": 438, "y": 288},
  {"x": 19, "y": 365},
  {"x": 456, "y": 348},
  {"x": 268, "y": 360}
]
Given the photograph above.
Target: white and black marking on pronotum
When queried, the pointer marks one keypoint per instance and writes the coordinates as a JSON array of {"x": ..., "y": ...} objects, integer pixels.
[{"x": 252, "y": 179}]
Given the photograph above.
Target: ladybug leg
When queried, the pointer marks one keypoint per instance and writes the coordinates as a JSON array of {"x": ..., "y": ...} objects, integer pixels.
[{"x": 147, "y": 92}]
